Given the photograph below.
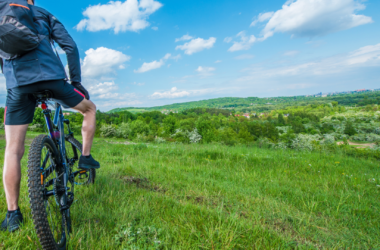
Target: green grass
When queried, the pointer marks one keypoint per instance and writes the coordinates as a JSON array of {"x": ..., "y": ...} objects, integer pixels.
[{"x": 217, "y": 197}]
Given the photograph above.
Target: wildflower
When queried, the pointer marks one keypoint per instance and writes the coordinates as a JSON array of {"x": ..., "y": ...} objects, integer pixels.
[
  {"x": 342, "y": 173},
  {"x": 310, "y": 165},
  {"x": 337, "y": 162}
]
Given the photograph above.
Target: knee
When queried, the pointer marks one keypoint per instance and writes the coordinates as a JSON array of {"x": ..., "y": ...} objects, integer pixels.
[
  {"x": 15, "y": 151},
  {"x": 91, "y": 108}
]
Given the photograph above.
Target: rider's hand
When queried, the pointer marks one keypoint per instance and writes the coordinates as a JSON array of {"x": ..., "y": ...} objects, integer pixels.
[{"x": 80, "y": 87}]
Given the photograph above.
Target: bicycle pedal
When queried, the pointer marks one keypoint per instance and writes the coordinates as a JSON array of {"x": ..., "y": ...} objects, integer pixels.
[{"x": 64, "y": 208}]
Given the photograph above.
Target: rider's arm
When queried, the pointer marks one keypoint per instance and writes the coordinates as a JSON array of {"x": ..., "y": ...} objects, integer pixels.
[{"x": 66, "y": 42}]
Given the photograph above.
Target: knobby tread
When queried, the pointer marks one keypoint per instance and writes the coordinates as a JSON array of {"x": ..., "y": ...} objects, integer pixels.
[
  {"x": 78, "y": 145},
  {"x": 39, "y": 214}
]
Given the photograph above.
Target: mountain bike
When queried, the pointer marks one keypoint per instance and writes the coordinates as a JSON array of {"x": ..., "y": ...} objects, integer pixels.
[{"x": 52, "y": 175}]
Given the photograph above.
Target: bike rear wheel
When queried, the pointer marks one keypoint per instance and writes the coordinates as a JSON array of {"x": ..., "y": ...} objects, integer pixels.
[
  {"x": 47, "y": 193},
  {"x": 73, "y": 152}
]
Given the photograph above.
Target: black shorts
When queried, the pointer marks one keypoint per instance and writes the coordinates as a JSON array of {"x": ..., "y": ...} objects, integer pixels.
[{"x": 20, "y": 104}]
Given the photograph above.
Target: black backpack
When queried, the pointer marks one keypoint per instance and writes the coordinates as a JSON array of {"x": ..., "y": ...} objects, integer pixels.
[{"x": 18, "y": 34}]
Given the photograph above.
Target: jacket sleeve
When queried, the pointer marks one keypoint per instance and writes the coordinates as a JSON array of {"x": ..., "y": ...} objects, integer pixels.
[{"x": 65, "y": 41}]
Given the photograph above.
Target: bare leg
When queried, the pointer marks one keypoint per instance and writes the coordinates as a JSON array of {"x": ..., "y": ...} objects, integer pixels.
[
  {"x": 15, "y": 139},
  {"x": 88, "y": 109}
]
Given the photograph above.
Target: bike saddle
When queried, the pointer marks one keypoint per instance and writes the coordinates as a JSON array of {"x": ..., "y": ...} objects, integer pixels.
[{"x": 46, "y": 94}]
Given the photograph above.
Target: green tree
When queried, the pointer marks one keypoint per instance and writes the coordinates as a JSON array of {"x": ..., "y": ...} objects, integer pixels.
[
  {"x": 349, "y": 129},
  {"x": 169, "y": 125},
  {"x": 281, "y": 120}
]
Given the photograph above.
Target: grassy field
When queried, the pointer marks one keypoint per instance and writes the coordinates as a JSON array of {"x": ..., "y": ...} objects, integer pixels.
[{"x": 173, "y": 196}]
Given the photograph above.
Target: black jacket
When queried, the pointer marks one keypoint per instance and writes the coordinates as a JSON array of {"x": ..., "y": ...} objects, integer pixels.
[{"x": 42, "y": 64}]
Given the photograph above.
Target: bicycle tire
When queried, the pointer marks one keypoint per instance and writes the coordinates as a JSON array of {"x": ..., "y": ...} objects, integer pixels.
[
  {"x": 76, "y": 145},
  {"x": 37, "y": 186}
]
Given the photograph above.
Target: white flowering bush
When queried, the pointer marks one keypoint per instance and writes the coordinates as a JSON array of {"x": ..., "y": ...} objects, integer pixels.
[
  {"x": 283, "y": 129},
  {"x": 35, "y": 128},
  {"x": 186, "y": 136},
  {"x": 280, "y": 145},
  {"x": 159, "y": 140},
  {"x": 123, "y": 131},
  {"x": 108, "y": 131},
  {"x": 194, "y": 136},
  {"x": 328, "y": 139},
  {"x": 264, "y": 142},
  {"x": 377, "y": 130},
  {"x": 366, "y": 137},
  {"x": 339, "y": 136},
  {"x": 305, "y": 142}
]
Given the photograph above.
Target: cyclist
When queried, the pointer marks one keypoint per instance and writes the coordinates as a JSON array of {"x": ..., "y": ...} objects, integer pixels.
[{"x": 36, "y": 71}]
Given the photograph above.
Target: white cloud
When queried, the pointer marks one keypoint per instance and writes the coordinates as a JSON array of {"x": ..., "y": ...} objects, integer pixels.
[
  {"x": 262, "y": 18},
  {"x": 110, "y": 105},
  {"x": 156, "y": 64},
  {"x": 245, "y": 42},
  {"x": 130, "y": 15},
  {"x": 218, "y": 61},
  {"x": 312, "y": 18},
  {"x": 150, "y": 66},
  {"x": 291, "y": 53},
  {"x": 139, "y": 84},
  {"x": 108, "y": 91},
  {"x": 176, "y": 93},
  {"x": 184, "y": 38},
  {"x": 201, "y": 69},
  {"x": 102, "y": 88},
  {"x": 60, "y": 51},
  {"x": 173, "y": 93},
  {"x": 205, "y": 71},
  {"x": 368, "y": 56},
  {"x": 155, "y": 28},
  {"x": 176, "y": 58},
  {"x": 102, "y": 61},
  {"x": 244, "y": 56},
  {"x": 228, "y": 39},
  {"x": 197, "y": 45}
]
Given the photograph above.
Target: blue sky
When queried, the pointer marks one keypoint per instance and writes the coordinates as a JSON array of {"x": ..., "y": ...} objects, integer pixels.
[{"x": 145, "y": 53}]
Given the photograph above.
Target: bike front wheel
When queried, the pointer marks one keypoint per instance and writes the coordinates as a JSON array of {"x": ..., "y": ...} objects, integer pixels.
[{"x": 47, "y": 193}]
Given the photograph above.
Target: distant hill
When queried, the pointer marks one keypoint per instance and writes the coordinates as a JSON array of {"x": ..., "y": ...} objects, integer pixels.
[{"x": 262, "y": 104}]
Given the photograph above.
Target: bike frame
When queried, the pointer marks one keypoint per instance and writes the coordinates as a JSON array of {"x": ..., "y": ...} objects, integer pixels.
[{"x": 57, "y": 134}]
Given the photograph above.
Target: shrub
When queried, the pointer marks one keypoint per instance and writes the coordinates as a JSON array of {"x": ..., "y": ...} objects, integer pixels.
[
  {"x": 328, "y": 139},
  {"x": 265, "y": 143},
  {"x": 227, "y": 136},
  {"x": 181, "y": 136},
  {"x": 35, "y": 128},
  {"x": 305, "y": 142},
  {"x": 349, "y": 129},
  {"x": 108, "y": 131},
  {"x": 159, "y": 140},
  {"x": 123, "y": 131},
  {"x": 366, "y": 137},
  {"x": 194, "y": 136},
  {"x": 138, "y": 127}
]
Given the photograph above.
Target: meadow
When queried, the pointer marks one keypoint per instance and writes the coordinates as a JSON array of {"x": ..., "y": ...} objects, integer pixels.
[{"x": 212, "y": 196}]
